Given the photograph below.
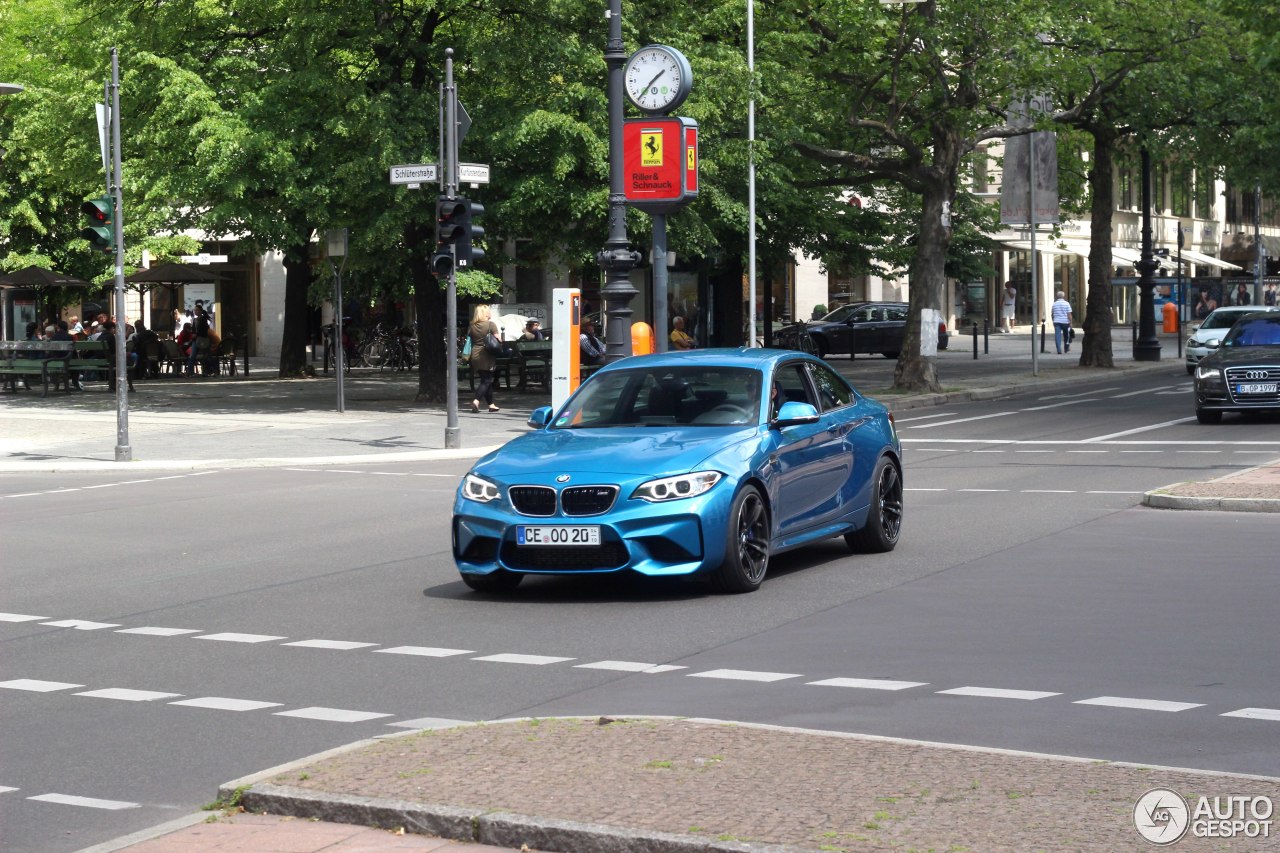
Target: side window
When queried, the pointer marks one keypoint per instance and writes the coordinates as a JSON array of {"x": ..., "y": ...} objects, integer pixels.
[
  {"x": 791, "y": 387},
  {"x": 833, "y": 391},
  {"x": 897, "y": 312},
  {"x": 862, "y": 315}
]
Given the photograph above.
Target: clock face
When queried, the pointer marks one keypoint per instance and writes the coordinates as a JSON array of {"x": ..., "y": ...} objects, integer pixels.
[{"x": 657, "y": 78}]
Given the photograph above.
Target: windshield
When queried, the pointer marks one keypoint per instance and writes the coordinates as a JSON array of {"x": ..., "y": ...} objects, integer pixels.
[
  {"x": 665, "y": 396},
  {"x": 1222, "y": 319},
  {"x": 1259, "y": 332},
  {"x": 840, "y": 314}
]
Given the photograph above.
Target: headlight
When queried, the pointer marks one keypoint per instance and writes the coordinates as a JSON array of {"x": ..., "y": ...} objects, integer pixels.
[
  {"x": 1192, "y": 342},
  {"x": 675, "y": 488},
  {"x": 479, "y": 489},
  {"x": 1207, "y": 372}
]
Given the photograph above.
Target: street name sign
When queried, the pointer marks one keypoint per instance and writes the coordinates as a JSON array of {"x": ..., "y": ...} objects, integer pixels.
[
  {"x": 204, "y": 259},
  {"x": 473, "y": 173},
  {"x": 414, "y": 174}
]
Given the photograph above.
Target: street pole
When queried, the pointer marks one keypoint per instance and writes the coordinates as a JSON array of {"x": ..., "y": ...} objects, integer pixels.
[
  {"x": 1178, "y": 329},
  {"x": 124, "y": 453},
  {"x": 751, "y": 175},
  {"x": 449, "y": 182},
  {"x": 617, "y": 259},
  {"x": 336, "y": 241},
  {"x": 1147, "y": 345},
  {"x": 660, "y": 331},
  {"x": 1035, "y": 261},
  {"x": 1261, "y": 259}
]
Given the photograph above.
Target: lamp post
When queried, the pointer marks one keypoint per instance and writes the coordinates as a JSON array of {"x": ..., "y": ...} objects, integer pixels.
[
  {"x": 1147, "y": 346},
  {"x": 337, "y": 249},
  {"x": 617, "y": 259}
]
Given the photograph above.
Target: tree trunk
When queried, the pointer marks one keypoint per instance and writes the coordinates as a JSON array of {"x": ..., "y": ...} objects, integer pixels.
[
  {"x": 1095, "y": 348},
  {"x": 429, "y": 303},
  {"x": 297, "y": 282},
  {"x": 917, "y": 370}
]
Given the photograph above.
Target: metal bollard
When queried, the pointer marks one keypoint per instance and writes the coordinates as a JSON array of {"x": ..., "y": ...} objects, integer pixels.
[
  {"x": 1135, "y": 331},
  {"x": 986, "y": 336},
  {"x": 975, "y": 340},
  {"x": 326, "y": 355},
  {"x": 1041, "y": 335}
]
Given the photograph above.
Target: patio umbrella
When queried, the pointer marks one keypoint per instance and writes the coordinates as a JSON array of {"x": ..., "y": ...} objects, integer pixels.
[
  {"x": 172, "y": 274},
  {"x": 38, "y": 278}
]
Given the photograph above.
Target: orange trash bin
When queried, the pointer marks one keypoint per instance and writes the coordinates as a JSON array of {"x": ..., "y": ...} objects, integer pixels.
[
  {"x": 641, "y": 339},
  {"x": 1170, "y": 318}
]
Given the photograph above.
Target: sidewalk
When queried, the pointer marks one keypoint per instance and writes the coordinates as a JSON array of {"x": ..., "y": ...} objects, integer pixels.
[{"x": 612, "y": 784}]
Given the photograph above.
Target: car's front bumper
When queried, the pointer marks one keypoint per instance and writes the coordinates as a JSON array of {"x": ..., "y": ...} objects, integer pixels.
[{"x": 676, "y": 538}]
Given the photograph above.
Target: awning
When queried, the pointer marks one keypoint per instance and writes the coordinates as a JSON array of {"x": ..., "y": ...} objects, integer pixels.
[
  {"x": 1190, "y": 257},
  {"x": 1043, "y": 247}
]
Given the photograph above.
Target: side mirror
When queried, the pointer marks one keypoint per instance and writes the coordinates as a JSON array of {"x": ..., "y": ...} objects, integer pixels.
[
  {"x": 540, "y": 418},
  {"x": 794, "y": 413},
  {"x": 1214, "y": 343}
]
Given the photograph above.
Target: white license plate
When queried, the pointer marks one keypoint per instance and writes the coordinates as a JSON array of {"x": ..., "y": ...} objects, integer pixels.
[
  {"x": 558, "y": 534},
  {"x": 1256, "y": 388}
]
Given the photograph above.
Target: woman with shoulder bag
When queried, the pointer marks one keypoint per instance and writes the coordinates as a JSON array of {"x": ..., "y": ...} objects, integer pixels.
[{"x": 483, "y": 358}]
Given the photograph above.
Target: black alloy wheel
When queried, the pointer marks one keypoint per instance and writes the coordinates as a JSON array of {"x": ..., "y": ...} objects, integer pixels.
[
  {"x": 746, "y": 556},
  {"x": 884, "y": 518}
]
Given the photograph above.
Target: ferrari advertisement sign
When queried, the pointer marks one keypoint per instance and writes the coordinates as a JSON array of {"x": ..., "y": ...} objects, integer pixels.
[{"x": 660, "y": 162}]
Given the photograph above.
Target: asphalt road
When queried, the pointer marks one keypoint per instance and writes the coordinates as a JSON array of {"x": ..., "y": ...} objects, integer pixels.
[{"x": 223, "y": 622}]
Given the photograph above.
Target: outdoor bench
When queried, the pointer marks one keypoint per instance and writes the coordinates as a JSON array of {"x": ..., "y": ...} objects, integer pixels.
[{"x": 23, "y": 359}]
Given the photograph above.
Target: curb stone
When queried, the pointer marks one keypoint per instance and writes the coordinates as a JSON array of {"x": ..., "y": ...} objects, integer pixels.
[{"x": 1160, "y": 499}]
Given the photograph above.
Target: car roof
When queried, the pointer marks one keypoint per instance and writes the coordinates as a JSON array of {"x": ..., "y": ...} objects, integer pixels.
[{"x": 758, "y": 358}]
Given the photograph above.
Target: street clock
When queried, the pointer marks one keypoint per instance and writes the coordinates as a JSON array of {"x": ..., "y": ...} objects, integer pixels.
[{"x": 657, "y": 79}]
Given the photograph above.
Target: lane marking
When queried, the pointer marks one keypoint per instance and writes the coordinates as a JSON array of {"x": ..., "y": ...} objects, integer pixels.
[
  {"x": 20, "y": 617},
  {"x": 154, "y": 631},
  {"x": 1146, "y": 391},
  {"x": 745, "y": 675},
  {"x": 331, "y": 715},
  {"x": 999, "y": 693},
  {"x": 423, "y": 651},
  {"x": 1105, "y": 492},
  {"x": 1035, "y": 451},
  {"x": 1048, "y": 491},
  {"x": 241, "y": 638},
  {"x": 1088, "y": 451},
  {"x": 125, "y": 695},
  {"x": 982, "y": 490},
  {"x": 963, "y": 420},
  {"x": 1272, "y": 714},
  {"x": 922, "y": 489},
  {"x": 531, "y": 660},
  {"x": 222, "y": 703},
  {"x": 1139, "y": 704},
  {"x": 867, "y": 683},
  {"x": 337, "y": 645},
  {"x": 1082, "y": 394},
  {"x": 87, "y": 802},
  {"x": 924, "y": 417},
  {"x": 1058, "y": 405},
  {"x": 1137, "y": 430},
  {"x": 629, "y": 666},
  {"x": 80, "y": 624},
  {"x": 37, "y": 686},
  {"x": 4, "y": 789}
]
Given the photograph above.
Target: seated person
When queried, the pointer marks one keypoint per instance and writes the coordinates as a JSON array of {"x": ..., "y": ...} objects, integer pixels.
[
  {"x": 592, "y": 347},
  {"x": 533, "y": 332},
  {"x": 184, "y": 339},
  {"x": 679, "y": 337}
]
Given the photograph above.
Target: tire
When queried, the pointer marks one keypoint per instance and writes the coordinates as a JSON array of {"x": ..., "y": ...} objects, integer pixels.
[
  {"x": 1190, "y": 370},
  {"x": 746, "y": 557},
  {"x": 884, "y": 519},
  {"x": 819, "y": 347},
  {"x": 374, "y": 353},
  {"x": 499, "y": 581},
  {"x": 1208, "y": 416}
]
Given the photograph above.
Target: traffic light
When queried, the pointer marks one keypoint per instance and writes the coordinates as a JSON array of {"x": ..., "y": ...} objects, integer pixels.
[
  {"x": 467, "y": 253},
  {"x": 449, "y": 230},
  {"x": 99, "y": 232}
]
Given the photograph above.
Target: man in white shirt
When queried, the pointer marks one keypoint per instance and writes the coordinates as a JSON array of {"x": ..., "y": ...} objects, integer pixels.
[{"x": 1060, "y": 313}]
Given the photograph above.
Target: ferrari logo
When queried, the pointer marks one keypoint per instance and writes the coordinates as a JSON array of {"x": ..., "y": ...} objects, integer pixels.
[{"x": 651, "y": 148}]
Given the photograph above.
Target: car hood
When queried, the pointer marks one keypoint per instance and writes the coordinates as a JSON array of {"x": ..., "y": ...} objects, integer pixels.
[
  {"x": 621, "y": 451},
  {"x": 1229, "y": 356}
]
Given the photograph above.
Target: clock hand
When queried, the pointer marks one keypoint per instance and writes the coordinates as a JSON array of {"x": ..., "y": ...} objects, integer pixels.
[{"x": 655, "y": 79}]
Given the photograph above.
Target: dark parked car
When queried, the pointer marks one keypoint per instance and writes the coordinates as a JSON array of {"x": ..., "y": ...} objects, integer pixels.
[
  {"x": 1243, "y": 374},
  {"x": 859, "y": 327}
]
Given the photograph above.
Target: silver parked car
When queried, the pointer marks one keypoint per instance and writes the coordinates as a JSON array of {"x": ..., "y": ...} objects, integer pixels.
[{"x": 1207, "y": 337}]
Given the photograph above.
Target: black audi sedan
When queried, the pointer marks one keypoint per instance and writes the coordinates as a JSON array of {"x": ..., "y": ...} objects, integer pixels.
[
  {"x": 1243, "y": 374},
  {"x": 859, "y": 327}
]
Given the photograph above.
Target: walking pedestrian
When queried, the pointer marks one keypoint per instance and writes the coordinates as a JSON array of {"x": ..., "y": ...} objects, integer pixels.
[
  {"x": 1008, "y": 307},
  {"x": 483, "y": 361},
  {"x": 1060, "y": 312}
]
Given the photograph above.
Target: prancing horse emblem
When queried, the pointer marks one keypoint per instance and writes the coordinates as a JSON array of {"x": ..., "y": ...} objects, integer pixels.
[{"x": 563, "y": 478}]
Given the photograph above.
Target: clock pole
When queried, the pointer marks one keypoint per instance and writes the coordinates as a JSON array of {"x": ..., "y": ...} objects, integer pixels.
[{"x": 617, "y": 259}]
